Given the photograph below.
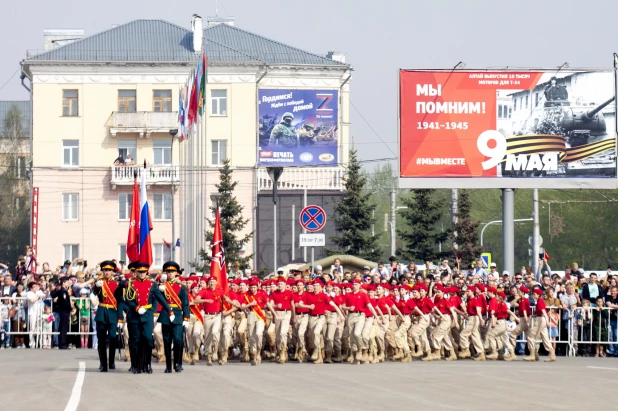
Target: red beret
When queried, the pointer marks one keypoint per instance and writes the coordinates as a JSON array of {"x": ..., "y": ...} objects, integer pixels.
[
  {"x": 291, "y": 281},
  {"x": 194, "y": 278},
  {"x": 319, "y": 283},
  {"x": 492, "y": 289},
  {"x": 245, "y": 282},
  {"x": 538, "y": 291},
  {"x": 371, "y": 287},
  {"x": 194, "y": 285},
  {"x": 365, "y": 286},
  {"x": 440, "y": 287},
  {"x": 212, "y": 278},
  {"x": 501, "y": 294},
  {"x": 347, "y": 285},
  {"x": 471, "y": 288},
  {"x": 254, "y": 281},
  {"x": 331, "y": 283},
  {"x": 407, "y": 287},
  {"x": 300, "y": 282},
  {"x": 281, "y": 279},
  {"x": 356, "y": 281},
  {"x": 524, "y": 289},
  {"x": 337, "y": 285},
  {"x": 422, "y": 287},
  {"x": 453, "y": 290},
  {"x": 237, "y": 281},
  {"x": 480, "y": 287}
]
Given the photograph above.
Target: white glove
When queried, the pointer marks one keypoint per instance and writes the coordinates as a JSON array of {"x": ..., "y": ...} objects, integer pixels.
[
  {"x": 162, "y": 288},
  {"x": 119, "y": 326},
  {"x": 185, "y": 324},
  {"x": 163, "y": 277},
  {"x": 141, "y": 311},
  {"x": 99, "y": 283},
  {"x": 172, "y": 318}
]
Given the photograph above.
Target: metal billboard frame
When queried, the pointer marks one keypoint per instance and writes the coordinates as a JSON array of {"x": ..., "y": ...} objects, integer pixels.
[{"x": 506, "y": 182}]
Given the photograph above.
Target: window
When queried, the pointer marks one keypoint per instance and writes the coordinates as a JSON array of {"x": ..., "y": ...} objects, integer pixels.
[
  {"x": 70, "y": 153},
  {"x": 18, "y": 203},
  {"x": 500, "y": 111},
  {"x": 514, "y": 104},
  {"x": 213, "y": 205},
  {"x": 162, "y": 150},
  {"x": 526, "y": 101},
  {"x": 510, "y": 112},
  {"x": 127, "y": 148},
  {"x": 162, "y": 254},
  {"x": 536, "y": 99},
  {"x": 71, "y": 251},
  {"x": 219, "y": 152},
  {"x": 162, "y": 100},
  {"x": 21, "y": 167},
  {"x": 126, "y": 101},
  {"x": 218, "y": 102},
  {"x": 124, "y": 206},
  {"x": 122, "y": 253},
  {"x": 69, "y": 207},
  {"x": 69, "y": 103},
  {"x": 162, "y": 206}
]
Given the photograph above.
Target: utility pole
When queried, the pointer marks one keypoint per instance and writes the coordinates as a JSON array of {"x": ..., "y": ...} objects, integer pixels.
[
  {"x": 454, "y": 212},
  {"x": 508, "y": 230},
  {"x": 393, "y": 220},
  {"x": 172, "y": 175}
]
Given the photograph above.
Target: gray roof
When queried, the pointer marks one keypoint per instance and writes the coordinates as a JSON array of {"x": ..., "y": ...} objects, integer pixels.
[
  {"x": 161, "y": 41},
  {"x": 25, "y": 107}
]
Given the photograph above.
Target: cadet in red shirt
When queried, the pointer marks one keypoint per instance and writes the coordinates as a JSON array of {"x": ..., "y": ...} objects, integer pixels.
[
  {"x": 419, "y": 328},
  {"x": 301, "y": 323},
  {"x": 281, "y": 301},
  {"x": 255, "y": 302},
  {"x": 524, "y": 316},
  {"x": 355, "y": 304},
  {"x": 318, "y": 304},
  {"x": 440, "y": 334},
  {"x": 540, "y": 327},
  {"x": 495, "y": 329},
  {"x": 475, "y": 320},
  {"x": 387, "y": 305}
]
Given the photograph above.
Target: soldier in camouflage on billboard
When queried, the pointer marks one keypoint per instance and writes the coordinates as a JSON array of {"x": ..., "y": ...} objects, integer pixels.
[
  {"x": 284, "y": 134},
  {"x": 307, "y": 134}
]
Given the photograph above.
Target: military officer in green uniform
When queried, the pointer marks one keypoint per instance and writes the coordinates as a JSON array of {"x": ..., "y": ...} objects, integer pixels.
[
  {"x": 284, "y": 134},
  {"x": 109, "y": 314},
  {"x": 141, "y": 296},
  {"x": 177, "y": 298}
]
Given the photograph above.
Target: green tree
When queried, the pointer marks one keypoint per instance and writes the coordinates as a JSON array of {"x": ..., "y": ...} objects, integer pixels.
[
  {"x": 422, "y": 234},
  {"x": 380, "y": 182},
  {"x": 232, "y": 222},
  {"x": 353, "y": 217},
  {"x": 466, "y": 231},
  {"x": 14, "y": 198}
]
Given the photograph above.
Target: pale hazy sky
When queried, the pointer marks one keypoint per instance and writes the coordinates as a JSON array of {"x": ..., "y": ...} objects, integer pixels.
[{"x": 378, "y": 37}]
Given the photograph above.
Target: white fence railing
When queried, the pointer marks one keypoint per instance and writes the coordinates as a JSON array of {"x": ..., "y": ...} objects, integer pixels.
[
  {"x": 299, "y": 178},
  {"x": 155, "y": 174}
]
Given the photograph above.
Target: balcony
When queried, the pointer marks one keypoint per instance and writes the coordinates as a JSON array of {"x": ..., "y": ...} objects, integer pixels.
[
  {"x": 299, "y": 178},
  {"x": 155, "y": 174},
  {"x": 142, "y": 122}
]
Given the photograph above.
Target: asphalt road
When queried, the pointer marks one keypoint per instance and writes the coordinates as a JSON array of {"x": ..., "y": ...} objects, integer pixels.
[{"x": 46, "y": 380}]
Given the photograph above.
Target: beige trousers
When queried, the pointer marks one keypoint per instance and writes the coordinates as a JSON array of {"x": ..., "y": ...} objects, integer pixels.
[
  {"x": 356, "y": 321},
  {"x": 227, "y": 326},
  {"x": 496, "y": 337},
  {"x": 282, "y": 325},
  {"x": 539, "y": 327},
  {"x": 440, "y": 336},
  {"x": 366, "y": 332},
  {"x": 522, "y": 327},
  {"x": 401, "y": 335},
  {"x": 316, "y": 324},
  {"x": 212, "y": 332},
  {"x": 255, "y": 330},
  {"x": 300, "y": 331},
  {"x": 389, "y": 336},
  {"x": 471, "y": 331},
  {"x": 195, "y": 335},
  {"x": 419, "y": 334},
  {"x": 332, "y": 326}
]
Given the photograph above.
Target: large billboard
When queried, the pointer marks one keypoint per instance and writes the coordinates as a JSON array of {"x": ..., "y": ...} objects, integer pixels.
[
  {"x": 507, "y": 129},
  {"x": 298, "y": 127}
]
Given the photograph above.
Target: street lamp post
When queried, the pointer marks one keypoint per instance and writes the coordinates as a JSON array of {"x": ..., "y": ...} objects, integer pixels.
[
  {"x": 274, "y": 173},
  {"x": 173, "y": 133},
  {"x": 500, "y": 222}
]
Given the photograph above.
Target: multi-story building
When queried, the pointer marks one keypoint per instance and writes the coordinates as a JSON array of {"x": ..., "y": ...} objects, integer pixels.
[{"x": 116, "y": 93}]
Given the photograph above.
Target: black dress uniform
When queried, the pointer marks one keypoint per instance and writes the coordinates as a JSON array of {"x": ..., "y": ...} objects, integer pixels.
[
  {"x": 138, "y": 295},
  {"x": 177, "y": 297},
  {"x": 109, "y": 313}
]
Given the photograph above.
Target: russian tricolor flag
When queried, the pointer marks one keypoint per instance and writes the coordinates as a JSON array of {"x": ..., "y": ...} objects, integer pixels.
[{"x": 145, "y": 224}]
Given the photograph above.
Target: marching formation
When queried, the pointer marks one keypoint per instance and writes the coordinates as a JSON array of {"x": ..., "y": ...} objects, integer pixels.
[{"x": 288, "y": 318}]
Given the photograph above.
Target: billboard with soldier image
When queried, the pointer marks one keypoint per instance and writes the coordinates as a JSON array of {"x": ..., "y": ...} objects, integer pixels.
[{"x": 298, "y": 127}]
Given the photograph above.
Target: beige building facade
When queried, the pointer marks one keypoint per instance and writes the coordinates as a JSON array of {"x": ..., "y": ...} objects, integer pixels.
[{"x": 115, "y": 96}]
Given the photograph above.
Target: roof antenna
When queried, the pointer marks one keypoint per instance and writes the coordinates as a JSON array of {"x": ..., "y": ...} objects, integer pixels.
[{"x": 217, "y": 8}]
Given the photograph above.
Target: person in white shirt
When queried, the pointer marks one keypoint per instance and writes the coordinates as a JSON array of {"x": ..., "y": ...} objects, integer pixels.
[
  {"x": 382, "y": 271},
  {"x": 34, "y": 298},
  {"x": 480, "y": 271}
]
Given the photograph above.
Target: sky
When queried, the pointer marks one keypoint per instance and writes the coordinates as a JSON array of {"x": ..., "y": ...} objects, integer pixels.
[{"x": 378, "y": 38}]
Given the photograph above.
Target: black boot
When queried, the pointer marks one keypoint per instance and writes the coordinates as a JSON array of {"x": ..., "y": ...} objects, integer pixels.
[
  {"x": 139, "y": 360},
  {"x": 167, "y": 348},
  {"x": 177, "y": 357},
  {"x": 147, "y": 357},
  {"x": 102, "y": 358},
  {"x": 112, "y": 353}
]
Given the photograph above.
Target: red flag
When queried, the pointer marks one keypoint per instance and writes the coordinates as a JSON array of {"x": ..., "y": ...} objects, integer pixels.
[
  {"x": 133, "y": 240},
  {"x": 545, "y": 255},
  {"x": 217, "y": 263}
]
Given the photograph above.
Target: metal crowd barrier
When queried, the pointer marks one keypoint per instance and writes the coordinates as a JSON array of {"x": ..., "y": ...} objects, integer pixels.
[{"x": 35, "y": 325}]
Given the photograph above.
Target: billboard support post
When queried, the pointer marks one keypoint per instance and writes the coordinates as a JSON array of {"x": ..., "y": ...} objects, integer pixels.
[
  {"x": 536, "y": 231},
  {"x": 508, "y": 230}
]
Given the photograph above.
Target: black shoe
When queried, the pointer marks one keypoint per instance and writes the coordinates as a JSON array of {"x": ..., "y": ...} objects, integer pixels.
[
  {"x": 167, "y": 371},
  {"x": 148, "y": 369},
  {"x": 112, "y": 366},
  {"x": 131, "y": 369},
  {"x": 102, "y": 369},
  {"x": 177, "y": 368},
  {"x": 137, "y": 371}
]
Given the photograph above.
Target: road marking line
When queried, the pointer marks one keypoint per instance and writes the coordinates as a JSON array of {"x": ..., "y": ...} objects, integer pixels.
[
  {"x": 602, "y": 368},
  {"x": 77, "y": 388}
]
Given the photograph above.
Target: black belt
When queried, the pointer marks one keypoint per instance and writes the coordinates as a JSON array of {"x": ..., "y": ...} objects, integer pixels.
[
  {"x": 212, "y": 313},
  {"x": 317, "y": 315},
  {"x": 283, "y": 311}
]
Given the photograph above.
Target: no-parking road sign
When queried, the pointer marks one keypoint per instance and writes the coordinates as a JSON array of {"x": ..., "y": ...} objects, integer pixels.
[{"x": 312, "y": 218}]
